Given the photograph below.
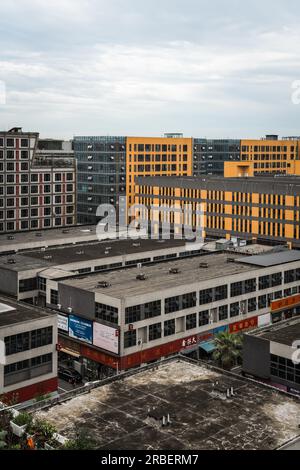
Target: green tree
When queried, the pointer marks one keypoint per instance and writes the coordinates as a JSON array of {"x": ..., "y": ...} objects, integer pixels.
[{"x": 228, "y": 349}]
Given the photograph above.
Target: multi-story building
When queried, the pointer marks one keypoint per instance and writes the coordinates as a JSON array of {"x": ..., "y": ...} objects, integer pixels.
[
  {"x": 32, "y": 276},
  {"x": 209, "y": 155},
  {"x": 35, "y": 192},
  {"x": 155, "y": 156},
  {"x": 101, "y": 174},
  {"x": 28, "y": 368},
  {"x": 270, "y": 354},
  {"x": 269, "y": 156},
  {"x": 56, "y": 148},
  {"x": 262, "y": 209},
  {"x": 108, "y": 166},
  {"x": 134, "y": 316}
]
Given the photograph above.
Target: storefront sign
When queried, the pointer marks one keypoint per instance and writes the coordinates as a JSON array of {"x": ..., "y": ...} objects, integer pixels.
[
  {"x": 63, "y": 322},
  {"x": 81, "y": 329},
  {"x": 288, "y": 302},
  {"x": 106, "y": 338},
  {"x": 243, "y": 325}
]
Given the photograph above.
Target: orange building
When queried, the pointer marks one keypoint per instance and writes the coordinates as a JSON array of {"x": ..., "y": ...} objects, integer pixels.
[
  {"x": 268, "y": 156},
  {"x": 157, "y": 156}
]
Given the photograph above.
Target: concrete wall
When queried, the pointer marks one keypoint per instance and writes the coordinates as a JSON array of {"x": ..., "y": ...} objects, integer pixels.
[
  {"x": 81, "y": 301},
  {"x": 256, "y": 356},
  {"x": 8, "y": 282}
]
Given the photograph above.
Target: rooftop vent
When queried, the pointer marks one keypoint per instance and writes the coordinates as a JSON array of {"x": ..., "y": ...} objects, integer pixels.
[
  {"x": 80, "y": 252},
  {"x": 174, "y": 271},
  {"x": 48, "y": 257},
  {"x": 203, "y": 265},
  {"x": 10, "y": 237},
  {"x": 11, "y": 261},
  {"x": 136, "y": 245},
  {"x": 230, "y": 260},
  {"x": 103, "y": 284},
  {"x": 66, "y": 231},
  {"x": 39, "y": 234},
  {"x": 141, "y": 277}
]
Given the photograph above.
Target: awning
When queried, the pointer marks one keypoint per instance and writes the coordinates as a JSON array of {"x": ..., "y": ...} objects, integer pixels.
[
  {"x": 70, "y": 352},
  {"x": 208, "y": 347}
]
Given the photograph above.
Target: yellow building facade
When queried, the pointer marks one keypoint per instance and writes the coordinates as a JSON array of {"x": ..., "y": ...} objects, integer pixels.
[
  {"x": 260, "y": 209},
  {"x": 268, "y": 156},
  {"x": 156, "y": 156}
]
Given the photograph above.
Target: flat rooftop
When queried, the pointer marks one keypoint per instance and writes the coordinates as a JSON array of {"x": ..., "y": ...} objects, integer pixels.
[
  {"x": 259, "y": 184},
  {"x": 286, "y": 332},
  {"x": 124, "y": 284},
  {"x": 12, "y": 313},
  {"x": 85, "y": 252},
  {"x": 28, "y": 240},
  {"x": 274, "y": 258},
  {"x": 126, "y": 414}
]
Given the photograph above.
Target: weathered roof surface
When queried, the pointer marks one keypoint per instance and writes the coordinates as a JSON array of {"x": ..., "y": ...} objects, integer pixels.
[
  {"x": 12, "y": 312},
  {"x": 273, "y": 259},
  {"x": 123, "y": 284},
  {"x": 126, "y": 414},
  {"x": 286, "y": 332}
]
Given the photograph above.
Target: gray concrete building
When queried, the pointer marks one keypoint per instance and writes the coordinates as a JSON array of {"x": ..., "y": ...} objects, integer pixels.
[
  {"x": 29, "y": 336},
  {"x": 176, "y": 306},
  {"x": 272, "y": 354}
]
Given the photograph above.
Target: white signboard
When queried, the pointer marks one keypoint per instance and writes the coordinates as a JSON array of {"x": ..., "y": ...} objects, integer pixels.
[
  {"x": 106, "y": 338},
  {"x": 62, "y": 323},
  {"x": 264, "y": 320}
]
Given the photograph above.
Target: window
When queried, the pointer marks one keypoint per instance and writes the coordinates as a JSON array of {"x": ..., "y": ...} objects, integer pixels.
[
  {"x": 41, "y": 337},
  {"x": 206, "y": 296},
  {"x": 28, "y": 340},
  {"x": 106, "y": 313},
  {"x": 129, "y": 339},
  {"x": 133, "y": 314},
  {"x": 169, "y": 328},
  {"x": 204, "y": 318},
  {"x": 28, "y": 369},
  {"x": 264, "y": 282},
  {"x": 154, "y": 331},
  {"x": 252, "y": 304},
  {"x": 26, "y": 285},
  {"x": 54, "y": 297},
  {"x": 262, "y": 301},
  {"x": 234, "y": 309},
  {"x": 172, "y": 304},
  {"x": 221, "y": 292},
  {"x": 191, "y": 321},
  {"x": 223, "y": 312},
  {"x": 250, "y": 286},
  {"x": 289, "y": 276},
  {"x": 236, "y": 289}
]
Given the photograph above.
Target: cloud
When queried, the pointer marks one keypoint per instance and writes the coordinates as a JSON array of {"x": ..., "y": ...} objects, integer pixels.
[{"x": 82, "y": 66}]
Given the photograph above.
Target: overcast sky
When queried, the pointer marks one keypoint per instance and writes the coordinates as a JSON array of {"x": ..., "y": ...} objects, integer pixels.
[{"x": 217, "y": 68}]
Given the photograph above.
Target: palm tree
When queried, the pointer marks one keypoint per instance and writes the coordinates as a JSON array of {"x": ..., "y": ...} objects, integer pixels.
[{"x": 228, "y": 349}]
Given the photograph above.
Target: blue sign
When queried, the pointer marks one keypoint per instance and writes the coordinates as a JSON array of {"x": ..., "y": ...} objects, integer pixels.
[
  {"x": 221, "y": 329},
  {"x": 80, "y": 328}
]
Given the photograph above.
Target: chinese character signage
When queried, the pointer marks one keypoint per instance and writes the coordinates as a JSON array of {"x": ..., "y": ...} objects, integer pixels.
[
  {"x": 247, "y": 324},
  {"x": 288, "y": 302},
  {"x": 189, "y": 342}
]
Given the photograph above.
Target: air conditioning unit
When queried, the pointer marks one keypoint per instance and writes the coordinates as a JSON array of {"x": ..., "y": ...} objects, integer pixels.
[{"x": 103, "y": 284}]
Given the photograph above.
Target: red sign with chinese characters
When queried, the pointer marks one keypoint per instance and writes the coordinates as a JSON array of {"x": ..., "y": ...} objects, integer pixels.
[
  {"x": 243, "y": 325},
  {"x": 189, "y": 342},
  {"x": 288, "y": 302}
]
